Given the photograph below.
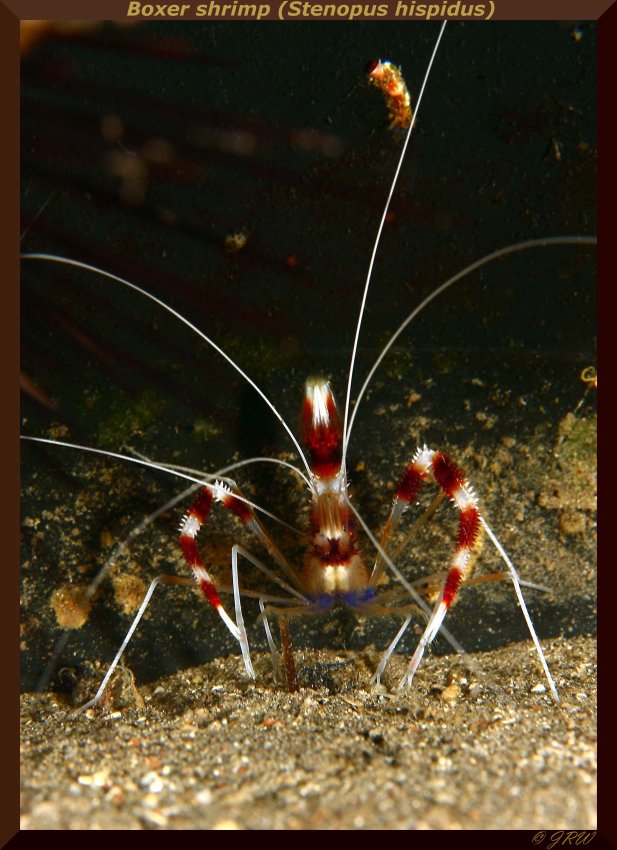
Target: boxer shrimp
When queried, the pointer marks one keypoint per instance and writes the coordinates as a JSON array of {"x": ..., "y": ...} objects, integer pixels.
[{"x": 296, "y": 193}]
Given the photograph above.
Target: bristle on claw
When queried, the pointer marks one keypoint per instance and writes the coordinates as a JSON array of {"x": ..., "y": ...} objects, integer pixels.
[{"x": 322, "y": 431}]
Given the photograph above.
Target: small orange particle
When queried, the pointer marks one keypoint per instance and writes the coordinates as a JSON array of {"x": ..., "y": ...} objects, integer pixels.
[
  {"x": 389, "y": 79},
  {"x": 70, "y": 606},
  {"x": 589, "y": 376},
  {"x": 235, "y": 242}
]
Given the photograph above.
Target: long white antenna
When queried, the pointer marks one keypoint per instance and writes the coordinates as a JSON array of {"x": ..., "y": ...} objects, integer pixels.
[
  {"x": 52, "y": 258},
  {"x": 378, "y": 238},
  {"x": 483, "y": 261},
  {"x": 202, "y": 479}
]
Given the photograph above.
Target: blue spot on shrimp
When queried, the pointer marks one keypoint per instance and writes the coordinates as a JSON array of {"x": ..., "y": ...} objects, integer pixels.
[{"x": 157, "y": 163}]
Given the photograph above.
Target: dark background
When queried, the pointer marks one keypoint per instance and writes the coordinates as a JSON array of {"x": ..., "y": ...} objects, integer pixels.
[{"x": 272, "y": 130}]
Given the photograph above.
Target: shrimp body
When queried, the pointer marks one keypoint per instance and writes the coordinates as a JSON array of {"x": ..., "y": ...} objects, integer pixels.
[{"x": 334, "y": 570}]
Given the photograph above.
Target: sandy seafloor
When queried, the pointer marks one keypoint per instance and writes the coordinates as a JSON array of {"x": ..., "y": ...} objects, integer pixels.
[
  {"x": 478, "y": 742},
  {"x": 485, "y": 748}
]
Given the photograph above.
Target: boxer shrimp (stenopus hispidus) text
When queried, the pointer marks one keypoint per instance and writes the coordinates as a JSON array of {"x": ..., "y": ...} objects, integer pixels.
[{"x": 480, "y": 374}]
